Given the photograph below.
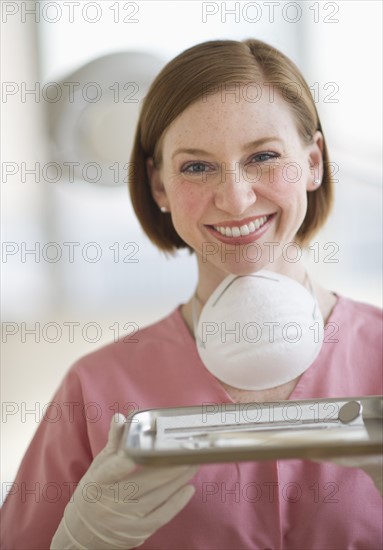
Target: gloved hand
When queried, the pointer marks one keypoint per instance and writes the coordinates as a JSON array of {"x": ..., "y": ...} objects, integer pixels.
[
  {"x": 119, "y": 505},
  {"x": 372, "y": 465}
]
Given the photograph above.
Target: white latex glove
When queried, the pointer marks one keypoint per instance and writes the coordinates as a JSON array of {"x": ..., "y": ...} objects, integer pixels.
[
  {"x": 372, "y": 465},
  {"x": 127, "y": 504}
]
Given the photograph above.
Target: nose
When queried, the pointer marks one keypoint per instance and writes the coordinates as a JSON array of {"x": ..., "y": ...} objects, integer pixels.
[{"x": 234, "y": 193}]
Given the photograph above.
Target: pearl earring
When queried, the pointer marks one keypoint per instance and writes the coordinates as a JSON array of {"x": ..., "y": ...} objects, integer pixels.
[
  {"x": 163, "y": 209},
  {"x": 317, "y": 182}
]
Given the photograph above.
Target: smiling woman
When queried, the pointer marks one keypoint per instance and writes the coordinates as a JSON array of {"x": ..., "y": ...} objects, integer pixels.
[
  {"x": 224, "y": 71},
  {"x": 232, "y": 169},
  {"x": 230, "y": 161},
  {"x": 236, "y": 180}
]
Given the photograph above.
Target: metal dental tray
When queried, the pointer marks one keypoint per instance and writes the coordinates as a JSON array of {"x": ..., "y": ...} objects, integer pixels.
[{"x": 232, "y": 432}]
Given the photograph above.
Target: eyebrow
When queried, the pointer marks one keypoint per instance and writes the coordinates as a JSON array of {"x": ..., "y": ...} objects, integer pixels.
[{"x": 255, "y": 143}]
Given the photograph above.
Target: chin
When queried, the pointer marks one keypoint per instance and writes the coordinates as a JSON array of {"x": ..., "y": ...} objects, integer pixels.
[{"x": 243, "y": 267}]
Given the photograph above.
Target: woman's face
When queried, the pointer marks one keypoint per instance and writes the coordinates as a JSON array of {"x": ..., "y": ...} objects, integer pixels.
[{"x": 234, "y": 176}]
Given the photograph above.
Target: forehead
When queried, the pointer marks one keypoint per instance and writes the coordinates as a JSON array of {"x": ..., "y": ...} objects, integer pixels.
[{"x": 231, "y": 117}]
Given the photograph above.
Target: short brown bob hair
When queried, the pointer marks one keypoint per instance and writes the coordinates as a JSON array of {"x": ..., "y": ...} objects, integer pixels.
[{"x": 183, "y": 82}]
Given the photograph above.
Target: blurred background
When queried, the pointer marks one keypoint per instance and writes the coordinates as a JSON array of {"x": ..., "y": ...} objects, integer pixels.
[{"x": 77, "y": 270}]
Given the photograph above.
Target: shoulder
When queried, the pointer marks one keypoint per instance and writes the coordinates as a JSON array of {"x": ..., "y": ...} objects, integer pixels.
[
  {"x": 350, "y": 360},
  {"x": 357, "y": 313},
  {"x": 359, "y": 327}
]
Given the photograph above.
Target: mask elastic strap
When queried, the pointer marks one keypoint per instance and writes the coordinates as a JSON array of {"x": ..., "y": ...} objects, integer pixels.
[
  {"x": 195, "y": 322},
  {"x": 316, "y": 311}
]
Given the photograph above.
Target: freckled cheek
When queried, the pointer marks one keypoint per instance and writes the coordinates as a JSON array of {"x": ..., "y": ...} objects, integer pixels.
[
  {"x": 281, "y": 185},
  {"x": 187, "y": 205},
  {"x": 291, "y": 197}
]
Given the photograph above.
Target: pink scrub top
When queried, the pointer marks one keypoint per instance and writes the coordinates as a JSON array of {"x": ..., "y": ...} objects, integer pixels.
[{"x": 284, "y": 504}]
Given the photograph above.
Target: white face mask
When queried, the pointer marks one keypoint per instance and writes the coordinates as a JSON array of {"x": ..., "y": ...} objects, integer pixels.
[{"x": 258, "y": 331}]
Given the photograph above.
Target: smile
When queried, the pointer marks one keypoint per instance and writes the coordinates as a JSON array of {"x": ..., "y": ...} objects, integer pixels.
[{"x": 242, "y": 230}]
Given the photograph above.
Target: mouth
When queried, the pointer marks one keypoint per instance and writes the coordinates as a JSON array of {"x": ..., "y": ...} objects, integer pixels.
[{"x": 245, "y": 228}]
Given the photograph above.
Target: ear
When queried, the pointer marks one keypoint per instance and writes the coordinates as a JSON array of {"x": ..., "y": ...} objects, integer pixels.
[
  {"x": 316, "y": 162},
  {"x": 156, "y": 185}
]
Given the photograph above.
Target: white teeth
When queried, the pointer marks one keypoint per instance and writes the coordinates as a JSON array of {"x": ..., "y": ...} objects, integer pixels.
[{"x": 243, "y": 230}]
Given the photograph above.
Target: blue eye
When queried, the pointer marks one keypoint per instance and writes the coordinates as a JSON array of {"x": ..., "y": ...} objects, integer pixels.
[
  {"x": 195, "y": 168},
  {"x": 264, "y": 157}
]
